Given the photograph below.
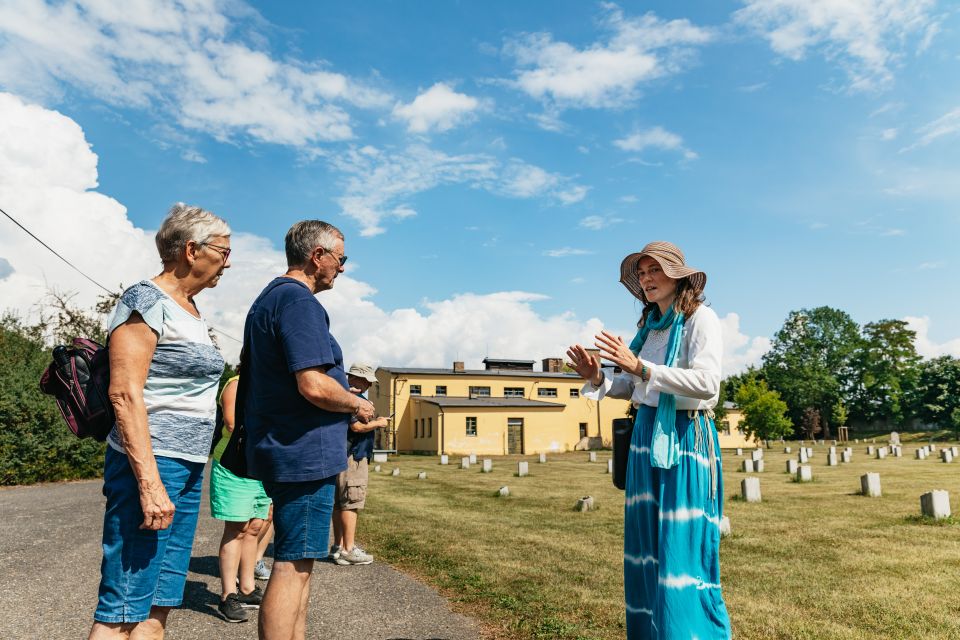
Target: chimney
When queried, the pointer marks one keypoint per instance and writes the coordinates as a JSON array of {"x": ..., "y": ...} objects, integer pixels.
[
  {"x": 552, "y": 365},
  {"x": 458, "y": 366}
]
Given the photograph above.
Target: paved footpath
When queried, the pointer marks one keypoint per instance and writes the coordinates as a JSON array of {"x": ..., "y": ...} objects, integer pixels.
[{"x": 50, "y": 568}]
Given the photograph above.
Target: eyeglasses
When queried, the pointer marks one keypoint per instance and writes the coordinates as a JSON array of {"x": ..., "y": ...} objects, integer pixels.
[
  {"x": 342, "y": 259},
  {"x": 223, "y": 251}
]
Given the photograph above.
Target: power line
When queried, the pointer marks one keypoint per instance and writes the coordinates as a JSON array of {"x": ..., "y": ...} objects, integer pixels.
[{"x": 78, "y": 270}]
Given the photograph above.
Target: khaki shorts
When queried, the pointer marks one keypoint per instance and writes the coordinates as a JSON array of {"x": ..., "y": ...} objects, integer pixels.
[{"x": 352, "y": 486}]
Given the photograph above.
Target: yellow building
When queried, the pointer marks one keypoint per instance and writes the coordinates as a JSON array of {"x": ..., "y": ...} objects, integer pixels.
[
  {"x": 505, "y": 408},
  {"x": 728, "y": 429}
]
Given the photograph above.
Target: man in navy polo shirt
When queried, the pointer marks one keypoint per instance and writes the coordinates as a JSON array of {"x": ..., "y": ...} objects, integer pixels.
[{"x": 297, "y": 410}]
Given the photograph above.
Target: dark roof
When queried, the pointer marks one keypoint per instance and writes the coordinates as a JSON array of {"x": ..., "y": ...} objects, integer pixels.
[
  {"x": 507, "y": 361},
  {"x": 729, "y": 405},
  {"x": 480, "y": 372},
  {"x": 454, "y": 401}
]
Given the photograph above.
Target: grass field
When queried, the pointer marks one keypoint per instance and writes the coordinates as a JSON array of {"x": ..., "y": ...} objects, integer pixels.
[{"x": 813, "y": 560}]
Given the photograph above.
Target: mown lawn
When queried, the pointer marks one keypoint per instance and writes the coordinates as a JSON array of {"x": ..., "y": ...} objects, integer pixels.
[{"x": 812, "y": 560}]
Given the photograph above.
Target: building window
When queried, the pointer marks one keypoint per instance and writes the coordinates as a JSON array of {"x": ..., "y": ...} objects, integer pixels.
[
  {"x": 441, "y": 390},
  {"x": 429, "y": 427},
  {"x": 583, "y": 429},
  {"x": 479, "y": 392},
  {"x": 416, "y": 428},
  {"x": 414, "y": 389},
  {"x": 725, "y": 424},
  {"x": 513, "y": 392},
  {"x": 547, "y": 392},
  {"x": 471, "y": 426},
  {"x": 574, "y": 393}
]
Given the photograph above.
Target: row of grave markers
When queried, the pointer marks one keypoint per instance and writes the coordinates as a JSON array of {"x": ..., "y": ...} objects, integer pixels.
[{"x": 755, "y": 463}]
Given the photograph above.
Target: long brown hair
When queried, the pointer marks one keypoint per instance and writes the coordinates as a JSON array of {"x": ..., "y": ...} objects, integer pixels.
[{"x": 688, "y": 299}]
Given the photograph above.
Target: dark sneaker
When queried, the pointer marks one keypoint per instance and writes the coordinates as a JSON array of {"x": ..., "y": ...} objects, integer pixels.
[
  {"x": 232, "y": 611},
  {"x": 251, "y": 600}
]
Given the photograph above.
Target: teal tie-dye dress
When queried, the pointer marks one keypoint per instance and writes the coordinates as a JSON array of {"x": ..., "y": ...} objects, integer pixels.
[{"x": 671, "y": 560}]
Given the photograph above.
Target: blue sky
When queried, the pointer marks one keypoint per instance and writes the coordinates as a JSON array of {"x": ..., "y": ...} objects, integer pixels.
[{"x": 492, "y": 162}]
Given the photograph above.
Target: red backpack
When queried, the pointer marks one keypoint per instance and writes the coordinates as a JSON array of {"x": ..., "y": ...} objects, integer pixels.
[{"x": 78, "y": 378}]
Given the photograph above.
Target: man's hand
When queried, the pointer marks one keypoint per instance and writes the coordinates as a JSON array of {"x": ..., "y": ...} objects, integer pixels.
[
  {"x": 156, "y": 506},
  {"x": 360, "y": 427},
  {"x": 365, "y": 411}
]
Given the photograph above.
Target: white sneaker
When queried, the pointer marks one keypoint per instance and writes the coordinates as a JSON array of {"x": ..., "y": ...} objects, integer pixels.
[
  {"x": 261, "y": 572},
  {"x": 334, "y": 553},
  {"x": 354, "y": 556}
]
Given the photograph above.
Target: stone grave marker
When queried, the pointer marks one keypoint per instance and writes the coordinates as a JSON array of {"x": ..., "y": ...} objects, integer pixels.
[
  {"x": 750, "y": 489},
  {"x": 422, "y": 475},
  {"x": 395, "y": 472},
  {"x": 846, "y": 456},
  {"x": 487, "y": 466},
  {"x": 870, "y": 451},
  {"x": 791, "y": 466},
  {"x": 935, "y": 504},
  {"x": 592, "y": 456},
  {"x": 756, "y": 454},
  {"x": 523, "y": 468},
  {"x": 585, "y": 504},
  {"x": 894, "y": 437},
  {"x": 542, "y": 458},
  {"x": 832, "y": 459},
  {"x": 898, "y": 451},
  {"x": 881, "y": 453},
  {"x": 724, "y": 526},
  {"x": 473, "y": 458},
  {"x": 787, "y": 450},
  {"x": 833, "y": 450},
  {"x": 376, "y": 469},
  {"x": 954, "y": 451},
  {"x": 465, "y": 462},
  {"x": 747, "y": 466},
  {"x": 739, "y": 451},
  {"x": 504, "y": 491},
  {"x": 809, "y": 452},
  {"x": 802, "y": 457},
  {"x": 610, "y": 465},
  {"x": 870, "y": 485},
  {"x": 758, "y": 466},
  {"x": 444, "y": 459},
  {"x": 946, "y": 455},
  {"x": 921, "y": 453},
  {"x": 805, "y": 473},
  {"x": 379, "y": 457}
]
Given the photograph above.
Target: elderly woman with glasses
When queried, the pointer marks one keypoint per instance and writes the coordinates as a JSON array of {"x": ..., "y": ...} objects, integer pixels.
[
  {"x": 164, "y": 374},
  {"x": 674, "y": 488}
]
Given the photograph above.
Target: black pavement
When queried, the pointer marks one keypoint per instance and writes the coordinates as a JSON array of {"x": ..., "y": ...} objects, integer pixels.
[{"x": 50, "y": 568}]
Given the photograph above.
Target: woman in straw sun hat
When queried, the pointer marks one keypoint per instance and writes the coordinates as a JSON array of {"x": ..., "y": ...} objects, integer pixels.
[{"x": 674, "y": 487}]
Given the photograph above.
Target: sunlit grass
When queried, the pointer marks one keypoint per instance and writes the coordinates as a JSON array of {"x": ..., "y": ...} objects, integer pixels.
[{"x": 813, "y": 560}]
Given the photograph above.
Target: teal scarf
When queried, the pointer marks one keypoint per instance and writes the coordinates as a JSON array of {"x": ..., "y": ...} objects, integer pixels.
[{"x": 664, "y": 446}]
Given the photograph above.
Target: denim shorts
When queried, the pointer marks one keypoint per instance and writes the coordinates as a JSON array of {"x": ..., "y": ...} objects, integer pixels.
[
  {"x": 143, "y": 569},
  {"x": 236, "y": 499},
  {"x": 301, "y": 518}
]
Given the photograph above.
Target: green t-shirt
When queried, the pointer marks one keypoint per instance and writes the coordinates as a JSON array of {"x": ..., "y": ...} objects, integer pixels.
[{"x": 222, "y": 445}]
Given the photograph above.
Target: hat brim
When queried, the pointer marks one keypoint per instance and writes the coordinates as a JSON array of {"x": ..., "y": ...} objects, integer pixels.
[
  {"x": 369, "y": 377},
  {"x": 630, "y": 279}
]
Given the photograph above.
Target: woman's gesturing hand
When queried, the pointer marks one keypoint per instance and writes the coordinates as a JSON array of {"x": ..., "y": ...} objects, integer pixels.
[
  {"x": 613, "y": 348},
  {"x": 586, "y": 365}
]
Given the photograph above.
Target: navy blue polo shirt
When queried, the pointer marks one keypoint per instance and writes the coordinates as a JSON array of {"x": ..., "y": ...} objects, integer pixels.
[
  {"x": 288, "y": 438},
  {"x": 360, "y": 445}
]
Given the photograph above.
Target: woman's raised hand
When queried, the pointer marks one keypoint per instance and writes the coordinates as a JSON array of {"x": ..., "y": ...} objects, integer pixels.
[
  {"x": 586, "y": 365},
  {"x": 613, "y": 348}
]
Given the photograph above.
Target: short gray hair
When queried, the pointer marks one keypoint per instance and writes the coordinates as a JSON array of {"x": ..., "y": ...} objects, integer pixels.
[
  {"x": 185, "y": 223},
  {"x": 305, "y": 236}
]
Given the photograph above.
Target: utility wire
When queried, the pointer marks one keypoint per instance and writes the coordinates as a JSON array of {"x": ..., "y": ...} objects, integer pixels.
[{"x": 78, "y": 270}]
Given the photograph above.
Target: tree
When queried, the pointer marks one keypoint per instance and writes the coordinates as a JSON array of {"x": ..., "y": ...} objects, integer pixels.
[
  {"x": 840, "y": 414},
  {"x": 811, "y": 362},
  {"x": 937, "y": 392},
  {"x": 888, "y": 366},
  {"x": 810, "y": 423},
  {"x": 764, "y": 413}
]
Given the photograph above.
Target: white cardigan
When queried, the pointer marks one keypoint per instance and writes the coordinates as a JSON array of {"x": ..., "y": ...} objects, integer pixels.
[{"x": 694, "y": 379}]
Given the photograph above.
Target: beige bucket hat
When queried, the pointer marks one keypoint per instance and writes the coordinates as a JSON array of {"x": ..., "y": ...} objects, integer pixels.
[
  {"x": 362, "y": 370},
  {"x": 670, "y": 259}
]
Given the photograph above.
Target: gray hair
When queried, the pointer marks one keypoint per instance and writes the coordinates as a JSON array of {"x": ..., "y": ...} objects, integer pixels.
[
  {"x": 183, "y": 224},
  {"x": 305, "y": 236}
]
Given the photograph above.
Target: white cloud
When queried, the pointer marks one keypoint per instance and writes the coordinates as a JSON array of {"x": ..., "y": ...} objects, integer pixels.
[
  {"x": 565, "y": 252},
  {"x": 49, "y": 171},
  {"x": 596, "y": 223},
  {"x": 655, "y": 138},
  {"x": 926, "y": 347},
  {"x": 378, "y": 183},
  {"x": 888, "y": 134},
  {"x": 186, "y": 60},
  {"x": 863, "y": 36},
  {"x": 192, "y": 155},
  {"x": 438, "y": 108},
  {"x": 946, "y": 125},
  {"x": 606, "y": 73},
  {"x": 740, "y": 350}
]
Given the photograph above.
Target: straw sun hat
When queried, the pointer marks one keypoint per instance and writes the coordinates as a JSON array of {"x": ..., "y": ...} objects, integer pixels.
[{"x": 670, "y": 259}]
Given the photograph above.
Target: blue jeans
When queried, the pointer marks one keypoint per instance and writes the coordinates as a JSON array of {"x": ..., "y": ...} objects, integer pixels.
[
  {"x": 141, "y": 568},
  {"x": 301, "y": 518}
]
